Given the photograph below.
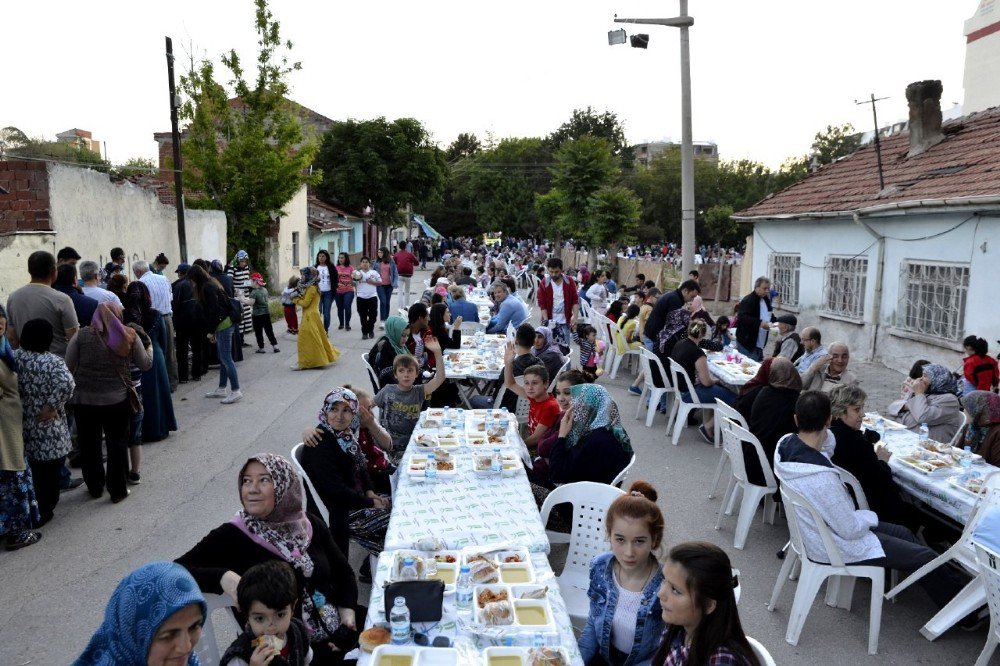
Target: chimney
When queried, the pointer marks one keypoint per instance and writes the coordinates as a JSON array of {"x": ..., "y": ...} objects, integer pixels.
[{"x": 924, "y": 99}]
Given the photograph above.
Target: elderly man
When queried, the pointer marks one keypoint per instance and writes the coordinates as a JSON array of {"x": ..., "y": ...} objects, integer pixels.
[
  {"x": 812, "y": 343},
  {"x": 161, "y": 295},
  {"x": 510, "y": 310},
  {"x": 829, "y": 371},
  {"x": 788, "y": 344},
  {"x": 753, "y": 320},
  {"x": 90, "y": 273}
]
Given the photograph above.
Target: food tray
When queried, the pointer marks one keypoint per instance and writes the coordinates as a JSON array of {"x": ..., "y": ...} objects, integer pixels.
[
  {"x": 411, "y": 655},
  {"x": 518, "y": 571},
  {"x": 448, "y": 570},
  {"x": 511, "y": 463},
  {"x": 528, "y": 614},
  {"x": 416, "y": 465},
  {"x": 962, "y": 482},
  {"x": 930, "y": 465},
  {"x": 871, "y": 418},
  {"x": 522, "y": 656}
]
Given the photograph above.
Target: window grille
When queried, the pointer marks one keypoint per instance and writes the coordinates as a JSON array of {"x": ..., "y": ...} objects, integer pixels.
[
  {"x": 295, "y": 248},
  {"x": 784, "y": 272},
  {"x": 844, "y": 286},
  {"x": 932, "y": 298}
]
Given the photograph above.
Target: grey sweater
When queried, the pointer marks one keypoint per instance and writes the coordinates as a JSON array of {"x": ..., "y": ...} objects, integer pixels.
[{"x": 98, "y": 371}]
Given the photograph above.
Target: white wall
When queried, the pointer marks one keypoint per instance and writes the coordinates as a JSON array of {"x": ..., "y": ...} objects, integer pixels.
[
  {"x": 982, "y": 61},
  {"x": 93, "y": 215},
  {"x": 279, "y": 250}
]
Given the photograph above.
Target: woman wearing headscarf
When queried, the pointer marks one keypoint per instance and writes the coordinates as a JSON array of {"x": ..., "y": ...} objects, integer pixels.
[
  {"x": 154, "y": 616},
  {"x": 749, "y": 391},
  {"x": 315, "y": 350},
  {"x": 592, "y": 443},
  {"x": 239, "y": 271},
  {"x": 273, "y": 524},
  {"x": 934, "y": 402},
  {"x": 547, "y": 351},
  {"x": 385, "y": 349},
  {"x": 772, "y": 415},
  {"x": 982, "y": 433},
  {"x": 99, "y": 357},
  {"x": 157, "y": 406},
  {"x": 18, "y": 506},
  {"x": 45, "y": 384},
  {"x": 698, "y": 311},
  {"x": 338, "y": 471}
]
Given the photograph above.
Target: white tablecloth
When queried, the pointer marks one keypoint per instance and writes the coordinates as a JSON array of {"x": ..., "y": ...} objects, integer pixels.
[
  {"x": 731, "y": 373},
  {"x": 479, "y": 360}
]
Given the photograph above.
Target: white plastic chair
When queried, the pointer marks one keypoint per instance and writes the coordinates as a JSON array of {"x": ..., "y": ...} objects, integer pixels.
[
  {"x": 622, "y": 348},
  {"x": 813, "y": 573},
  {"x": 956, "y": 439},
  {"x": 722, "y": 410},
  {"x": 973, "y": 595},
  {"x": 324, "y": 513},
  {"x": 681, "y": 409},
  {"x": 208, "y": 646},
  {"x": 563, "y": 368},
  {"x": 523, "y": 404},
  {"x": 585, "y": 312},
  {"x": 733, "y": 437},
  {"x": 763, "y": 656},
  {"x": 588, "y": 539},
  {"x": 987, "y": 560},
  {"x": 654, "y": 393},
  {"x": 371, "y": 372},
  {"x": 622, "y": 475}
]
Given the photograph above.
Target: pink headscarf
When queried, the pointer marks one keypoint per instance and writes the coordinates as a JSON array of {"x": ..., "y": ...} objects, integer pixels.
[{"x": 107, "y": 323}]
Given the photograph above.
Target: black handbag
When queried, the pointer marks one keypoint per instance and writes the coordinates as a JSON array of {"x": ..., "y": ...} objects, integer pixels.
[{"x": 424, "y": 598}]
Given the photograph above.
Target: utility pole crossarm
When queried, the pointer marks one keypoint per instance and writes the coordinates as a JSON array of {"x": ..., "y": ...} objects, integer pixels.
[{"x": 676, "y": 22}]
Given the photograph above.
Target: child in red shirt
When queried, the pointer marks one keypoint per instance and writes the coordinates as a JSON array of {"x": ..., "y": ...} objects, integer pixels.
[
  {"x": 981, "y": 371},
  {"x": 543, "y": 410}
]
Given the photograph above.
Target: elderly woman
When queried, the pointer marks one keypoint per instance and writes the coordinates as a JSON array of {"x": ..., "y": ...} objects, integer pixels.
[
  {"x": 772, "y": 415},
  {"x": 860, "y": 454},
  {"x": 934, "y": 402},
  {"x": 315, "y": 350},
  {"x": 45, "y": 384},
  {"x": 338, "y": 470},
  {"x": 99, "y": 357},
  {"x": 155, "y": 616},
  {"x": 592, "y": 443},
  {"x": 982, "y": 434},
  {"x": 273, "y": 524}
]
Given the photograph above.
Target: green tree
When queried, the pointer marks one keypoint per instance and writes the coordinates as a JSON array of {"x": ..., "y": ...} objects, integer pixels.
[
  {"x": 587, "y": 122},
  {"x": 613, "y": 217},
  {"x": 464, "y": 145},
  {"x": 15, "y": 143},
  {"x": 828, "y": 146},
  {"x": 247, "y": 156},
  {"x": 135, "y": 166},
  {"x": 583, "y": 166},
  {"x": 389, "y": 164}
]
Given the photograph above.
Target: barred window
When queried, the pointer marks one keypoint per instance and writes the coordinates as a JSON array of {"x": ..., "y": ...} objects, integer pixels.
[
  {"x": 844, "y": 286},
  {"x": 932, "y": 298},
  {"x": 784, "y": 272}
]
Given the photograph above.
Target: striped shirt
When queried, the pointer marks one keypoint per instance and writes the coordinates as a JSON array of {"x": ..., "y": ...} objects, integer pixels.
[{"x": 159, "y": 291}]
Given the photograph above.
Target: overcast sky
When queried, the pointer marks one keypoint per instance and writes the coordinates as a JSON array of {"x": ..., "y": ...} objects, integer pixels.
[{"x": 766, "y": 75}]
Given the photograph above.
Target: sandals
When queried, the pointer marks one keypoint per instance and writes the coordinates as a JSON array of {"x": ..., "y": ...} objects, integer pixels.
[{"x": 23, "y": 540}]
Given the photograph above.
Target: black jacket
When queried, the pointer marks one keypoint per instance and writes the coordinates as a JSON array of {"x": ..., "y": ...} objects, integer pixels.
[
  {"x": 184, "y": 305},
  {"x": 771, "y": 418},
  {"x": 748, "y": 319},
  {"x": 666, "y": 304},
  {"x": 85, "y": 306},
  {"x": 597, "y": 457},
  {"x": 855, "y": 453},
  {"x": 297, "y": 641}
]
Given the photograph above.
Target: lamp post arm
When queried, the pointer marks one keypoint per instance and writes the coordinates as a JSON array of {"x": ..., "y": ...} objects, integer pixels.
[{"x": 675, "y": 22}]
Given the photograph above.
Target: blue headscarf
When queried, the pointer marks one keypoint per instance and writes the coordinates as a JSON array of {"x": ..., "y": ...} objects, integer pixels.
[
  {"x": 6, "y": 351},
  {"x": 142, "y": 602}
]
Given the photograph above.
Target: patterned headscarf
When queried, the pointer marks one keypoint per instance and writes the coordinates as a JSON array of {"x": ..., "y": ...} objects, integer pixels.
[
  {"x": 107, "y": 323},
  {"x": 783, "y": 375},
  {"x": 309, "y": 277},
  {"x": 593, "y": 408},
  {"x": 394, "y": 327},
  {"x": 550, "y": 344},
  {"x": 983, "y": 410},
  {"x": 143, "y": 601},
  {"x": 6, "y": 351},
  {"x": 940, "y": 380},
  {"x": 348, "y": 439}
]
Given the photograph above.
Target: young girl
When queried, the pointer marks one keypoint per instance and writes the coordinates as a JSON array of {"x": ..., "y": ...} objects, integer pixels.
[
  {"x": 345, "y": 291},
  {"x": 703, "y": 624},
  {"x": 625, "y": 623},
  {"x": 291, "y": 318},
  {"x": 368, "y": 298},
  {"x": 980, "y": 370},
  {"x": 585, "y": 336},
  {"x": 261, "y": 314}
]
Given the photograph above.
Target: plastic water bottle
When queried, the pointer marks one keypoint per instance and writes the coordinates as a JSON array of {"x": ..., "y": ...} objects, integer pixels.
[
  {"x": 408, "y": 572},
  {"x": 463, "y": 589},
  {"x": 399, "y": 622},
  {"x": 924, "y": 433},
  {"x": 504, "y": 418},
  {"x": 880, "y": 427},
  {"x": 431, "y": 471},
  {"x": 966, "y": 458},
  {"x": 538, "y": 640},
  {"x": 496, "y": 465}
]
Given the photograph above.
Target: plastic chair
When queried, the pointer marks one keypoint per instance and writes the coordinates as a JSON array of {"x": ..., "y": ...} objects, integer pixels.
[
  {"x": 681, "y": 409},
  {"x": 208, "y": 647},
  {"x": 957, "y": 438},
  {"x": 371, "y": 372},
  {"x": 562, "y": 369},
  {"x": 523, "y": 404},
  {"x": 973, "y": 595},
  {"x": 654, "y": 393},
  {"x": 813, "y": 573},
  {"x": 987, "y": 560},
  {"x": 763, "y": 656},
  {"x": 588, "y": 539},
  {"x": 585, "y": 312},
  {"x": 733, "y": 437},
  {"x": 324, "y": 513},
  {"x": 722, "y": 410},
  {"x": 622, "y": 348},
  {"x": 622, "y": 475}
]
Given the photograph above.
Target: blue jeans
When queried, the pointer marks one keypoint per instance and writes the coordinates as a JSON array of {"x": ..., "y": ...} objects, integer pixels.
[
  {"x": 227, "y": 369},
  {"x": 384, "y": 296},
  {"x": 344, "y": 303},
  {"x": 756, "y": 354},
  {"x": 708, "y": 394},
  {"x": 647, "y": 343},
  {"x": 325, "y": 303}
]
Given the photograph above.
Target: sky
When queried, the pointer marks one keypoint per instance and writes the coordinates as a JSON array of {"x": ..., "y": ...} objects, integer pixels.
[{"x": 766, "y": 76}]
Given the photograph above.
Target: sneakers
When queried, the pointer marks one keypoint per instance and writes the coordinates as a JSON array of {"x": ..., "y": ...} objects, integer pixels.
[
  {"x": 261, "y": 351},
  {"x": 134, "y": 478},
  {"x": 635, "y": 390},
  {"x": 217, "y": 393},
  {"x": 235, "y": 396},
  {"x": 73, "y": 484},
  {"x": 276, "y": 350},
  {"x": 704, "y": 433}
]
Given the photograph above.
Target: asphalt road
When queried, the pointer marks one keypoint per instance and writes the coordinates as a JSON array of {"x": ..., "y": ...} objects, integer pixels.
[{"x": 53, "y": 594}]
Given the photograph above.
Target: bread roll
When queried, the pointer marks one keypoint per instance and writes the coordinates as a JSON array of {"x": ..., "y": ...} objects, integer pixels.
[{"x": 372, "y": 638}]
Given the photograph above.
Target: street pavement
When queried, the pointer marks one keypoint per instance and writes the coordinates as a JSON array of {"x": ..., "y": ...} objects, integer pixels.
[{"x": 53, "y": 594}]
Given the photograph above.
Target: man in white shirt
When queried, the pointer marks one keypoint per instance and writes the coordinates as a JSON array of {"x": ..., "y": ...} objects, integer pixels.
[
  {"x": 161, "y": 294},
  {"x": 811, "y": 341},
  {"x": 90, "y": 273}
]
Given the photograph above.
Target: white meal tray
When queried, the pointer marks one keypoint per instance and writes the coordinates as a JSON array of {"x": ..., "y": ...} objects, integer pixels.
[{"x": 411, "y": 655}]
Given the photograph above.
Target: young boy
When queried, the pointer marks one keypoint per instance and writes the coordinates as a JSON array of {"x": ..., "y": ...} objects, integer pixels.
[
  {"x": 261, "y": 315},
  {"x": 543, "y": 410},
  {"x": 291, "y": 318},
  {"x": 273, "y": 636},
  {"x": 400, "y": 403}
]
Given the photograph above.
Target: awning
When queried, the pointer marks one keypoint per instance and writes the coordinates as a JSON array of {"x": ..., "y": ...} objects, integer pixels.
[{"x": 428, "y": 230}]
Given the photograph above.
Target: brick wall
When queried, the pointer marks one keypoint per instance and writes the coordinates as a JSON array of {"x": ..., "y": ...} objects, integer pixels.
[{"x": 25, "y": 207}]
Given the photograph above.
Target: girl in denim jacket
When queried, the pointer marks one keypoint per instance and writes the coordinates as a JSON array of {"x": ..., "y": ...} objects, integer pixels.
[{"x": 625, "y": 623}]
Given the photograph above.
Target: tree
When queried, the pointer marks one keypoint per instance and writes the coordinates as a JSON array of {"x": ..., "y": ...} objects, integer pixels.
[
  {"x": 583, "y": 166},
  {"x": 246, "y": 156},
  {"x": 588, "y": 122},
  {"x": 828, "y": 146},
  {"x": 389, "y": 164},
  {"x": 613, "y": 216},
  {"x": 15, "y": 143},
  {"x": 464, "y": 145},
  {"x": 134, "y": 167}
]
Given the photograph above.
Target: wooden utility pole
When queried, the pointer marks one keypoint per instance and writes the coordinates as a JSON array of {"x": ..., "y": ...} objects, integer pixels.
[{"x": 175, "y": 139}]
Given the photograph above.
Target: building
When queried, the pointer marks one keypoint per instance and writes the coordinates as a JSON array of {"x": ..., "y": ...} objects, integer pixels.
[
  {"x": 335, "y": 230},
  {"x": 646, "y": 152},
  {"x": 982, "y": 58},
  {"x": 81, "y": 139},
  {"x": 902, "y": 272}
]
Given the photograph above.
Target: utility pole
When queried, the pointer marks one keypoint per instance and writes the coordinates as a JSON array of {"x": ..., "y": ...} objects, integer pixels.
[
  {"x": 175, "y": 139},
  {"x": 878, "y": 146}
]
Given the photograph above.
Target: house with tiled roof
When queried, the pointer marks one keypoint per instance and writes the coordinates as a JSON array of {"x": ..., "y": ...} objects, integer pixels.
[{"x": 900, "y": 266}]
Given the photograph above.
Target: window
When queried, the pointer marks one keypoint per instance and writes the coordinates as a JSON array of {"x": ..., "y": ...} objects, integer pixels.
[
  {"x": 844, "y": 286},
  {"x": 784, "y": 272},
  {"x": 295, "y": 248},
  {"x": 932, "y": 298}
]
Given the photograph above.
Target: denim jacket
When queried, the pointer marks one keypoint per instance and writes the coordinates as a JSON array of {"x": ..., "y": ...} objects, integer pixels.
[
  {"x": 393, "y": 273},
  {"x": 603, "y": 593}
]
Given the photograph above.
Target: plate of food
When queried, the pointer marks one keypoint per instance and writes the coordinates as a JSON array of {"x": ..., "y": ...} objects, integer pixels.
[
  {"x": 970, "y": 482},
  {"x": 482, "y": 464}
]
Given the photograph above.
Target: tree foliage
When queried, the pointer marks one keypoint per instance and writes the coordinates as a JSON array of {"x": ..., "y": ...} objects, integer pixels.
[
  {"x": 135, "y": 167},
  {"x": 15, "y": 143},
  {"x": 583, "y": 166},
  {"x": 587, "y": 122},
  {"x": 828, "y": 146},
  {"x": 613, "y": 217},
  {"x": 390, "y": 164},
  {"x": 247, "y": 156},
  {"x": 464, "y": 145}
]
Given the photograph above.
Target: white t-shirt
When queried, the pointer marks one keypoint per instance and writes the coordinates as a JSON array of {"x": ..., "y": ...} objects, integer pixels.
[
  {"x": 558, "y": 302},
  {"x": 366, "y": 290},
  {"x": 765, "y": 315},
  {"x": 324, "y": 277},
  {"x": 598, "y": 295},
  {"x": 623, "y": 622}
]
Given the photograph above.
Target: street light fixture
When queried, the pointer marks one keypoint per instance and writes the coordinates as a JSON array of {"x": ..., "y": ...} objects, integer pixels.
[
  {"x": 687, "y": 148},
  {"x": 616, "y": 37}
]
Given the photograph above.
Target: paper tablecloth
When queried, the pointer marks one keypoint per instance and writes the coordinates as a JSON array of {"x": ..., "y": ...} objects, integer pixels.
[{"x": 731, "y": 373}]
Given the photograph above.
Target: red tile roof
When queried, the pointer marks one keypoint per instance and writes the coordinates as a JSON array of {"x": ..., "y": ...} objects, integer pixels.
[{"x": 965, "y": 164}]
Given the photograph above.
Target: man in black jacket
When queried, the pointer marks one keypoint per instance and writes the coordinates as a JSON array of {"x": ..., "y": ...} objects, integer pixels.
[
  {"x": 753, "y": 320},
  {"x": 667, "y": 303},
  {"x": 189, "y": 335}
]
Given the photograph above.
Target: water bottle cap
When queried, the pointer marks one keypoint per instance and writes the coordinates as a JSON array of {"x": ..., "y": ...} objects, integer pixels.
[
  {"x": 430, "y": 456},
  {"x": 408, "y": 562},
  {"x": 400, "y": 601},
  {"x": 464, "y": 569}
]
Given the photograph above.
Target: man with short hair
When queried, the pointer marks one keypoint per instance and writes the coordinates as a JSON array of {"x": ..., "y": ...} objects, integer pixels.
[
  {"x": 559, "y": 301},
  {"x": 510, "y": 310},
  {"x": 666, "y": 304},
  {"x": 753, "y": 320},
  {"x": 406, "y": 262},
  {"x": 90, "y": 273},
  {"x": 814, "y": 349},
  {"x": 830, "y": 370},
  {"x": 159, "y": 264},
  {"x": 38, "y": 300},
  {"x": 466, "y": 277},
  {"x": 84, "y": 305},
  {"x": 788, "y": 343},
  {"x": 161, "y": 295},
  {"x": 67, "y": 255}
]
